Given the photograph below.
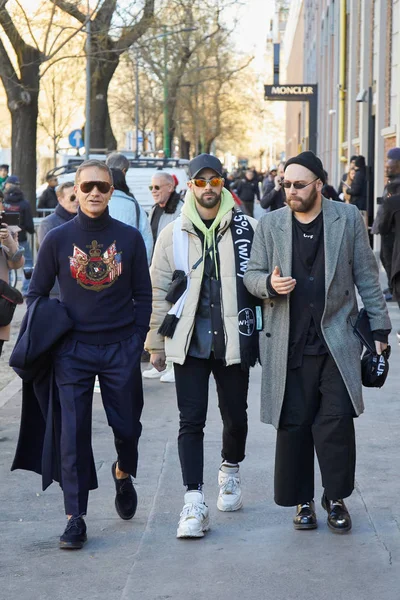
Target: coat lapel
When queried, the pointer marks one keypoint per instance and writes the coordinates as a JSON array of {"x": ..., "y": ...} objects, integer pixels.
[
  {"x": 282, "y": 235},
  {"x": 334, "y": 226}
]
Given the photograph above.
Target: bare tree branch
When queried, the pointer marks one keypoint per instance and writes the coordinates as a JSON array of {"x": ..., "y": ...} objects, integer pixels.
[
  {"x": 71, "y": 9},
  {"x": 46, "y": 37}
]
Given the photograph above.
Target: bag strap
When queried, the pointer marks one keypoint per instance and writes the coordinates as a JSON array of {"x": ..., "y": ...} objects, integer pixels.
[{"x": 207, "y": 252}]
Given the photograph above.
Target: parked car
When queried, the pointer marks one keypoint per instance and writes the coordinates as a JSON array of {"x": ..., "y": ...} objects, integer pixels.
[{"x": 138, "y": 176}]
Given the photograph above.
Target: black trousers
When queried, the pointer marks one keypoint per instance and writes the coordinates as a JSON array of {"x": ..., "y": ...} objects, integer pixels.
[
  {"x": 192, "y": 379},
  {"x": 1, "y": 346},
  {"x": 317, "y": 413},
  {"x": 386, "y": 255},
  {"x": 118, "y": 368},
  {"x": 396, "y": 287}
]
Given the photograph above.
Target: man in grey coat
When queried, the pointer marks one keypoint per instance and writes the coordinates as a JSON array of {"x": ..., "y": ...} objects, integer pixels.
[{"x": 307, "y": 260}]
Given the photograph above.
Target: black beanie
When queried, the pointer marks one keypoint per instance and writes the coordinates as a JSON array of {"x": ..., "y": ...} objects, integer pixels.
[{"x": 310, "y": 161}]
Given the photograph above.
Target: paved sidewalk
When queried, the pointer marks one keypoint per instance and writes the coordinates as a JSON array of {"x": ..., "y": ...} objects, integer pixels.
[{"x": 254, "y": 554}]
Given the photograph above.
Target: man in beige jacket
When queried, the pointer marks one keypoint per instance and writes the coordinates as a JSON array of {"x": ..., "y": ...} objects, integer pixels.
[{"x": 215, "y": 332}]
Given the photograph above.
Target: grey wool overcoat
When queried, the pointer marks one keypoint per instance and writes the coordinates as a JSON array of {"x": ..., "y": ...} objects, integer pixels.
[{"x": 349, "y": 264}]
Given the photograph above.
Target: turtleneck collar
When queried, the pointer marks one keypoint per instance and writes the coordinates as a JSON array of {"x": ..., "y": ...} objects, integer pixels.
[
  {"x": 93, "y": 224},
  {"x": 63, "y": 213}
]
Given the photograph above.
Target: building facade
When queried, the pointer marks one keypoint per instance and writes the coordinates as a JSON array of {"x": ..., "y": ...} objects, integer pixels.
[{"x": 351, "y": 49}]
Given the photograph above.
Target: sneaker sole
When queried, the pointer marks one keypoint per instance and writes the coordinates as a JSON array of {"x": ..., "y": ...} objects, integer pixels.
[
  {"x": 223, "y": 508},
  {"x": 188, "y": 535}
]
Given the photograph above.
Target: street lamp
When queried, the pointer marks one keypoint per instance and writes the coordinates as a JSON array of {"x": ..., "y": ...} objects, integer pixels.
[{"x": 88, "y": 82}]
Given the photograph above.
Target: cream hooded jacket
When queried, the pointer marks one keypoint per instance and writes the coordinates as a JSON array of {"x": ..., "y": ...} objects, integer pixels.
[{"x": 161, "y": 271}]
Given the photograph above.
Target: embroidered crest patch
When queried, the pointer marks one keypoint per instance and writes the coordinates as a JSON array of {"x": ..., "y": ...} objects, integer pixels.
[{"x": 96, "y": 270}]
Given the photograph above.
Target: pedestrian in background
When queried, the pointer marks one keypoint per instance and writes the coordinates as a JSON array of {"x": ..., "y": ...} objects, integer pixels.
[
  {"x": 390, "y": 224},
  {"x": 14, "y": 201},
  {"x": 346, "y": 184},
  {"x": 167, "y": 207},
  {"x": 358, "y": 188},
  {"x": 269, "y": 181},
  {"x": 274, "y": 196},
  {"x": 306, "y": 262},
  {"x": 117, "y": 160},
  {"x": 4, "y": 170},
  {"x": 167, "y": 202},
  {"x": 350, "y": 166},
  {"x": 11, "y": 257},
  {"x": 66, "y": 210},
  {"x": 247, "y": 189},
  {"x": 388, "y": 238},
  {"x": 126, "y": 208},
  {"x": 215, "y": 332},
  {"x": 49, "y": 197}
]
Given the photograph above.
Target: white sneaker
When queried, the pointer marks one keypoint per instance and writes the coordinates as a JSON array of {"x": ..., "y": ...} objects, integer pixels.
[
  {"x": 230, "y": 494},
  {"x": 152, "y": 373},
  {"x": 194, "y": 519},
  {"x": 168, "y": 376}
]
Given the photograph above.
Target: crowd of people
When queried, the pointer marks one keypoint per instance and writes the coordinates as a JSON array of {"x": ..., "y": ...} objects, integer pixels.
[{"x": 204, "y": 289}]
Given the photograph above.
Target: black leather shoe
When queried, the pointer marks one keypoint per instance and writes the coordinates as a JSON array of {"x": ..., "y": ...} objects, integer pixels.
[
  {"x": 305, "y": 517},
  {"x": 126, "y": 497},
  {"x": 74, "y": 535},
  {"x": 339, "y": 520}
]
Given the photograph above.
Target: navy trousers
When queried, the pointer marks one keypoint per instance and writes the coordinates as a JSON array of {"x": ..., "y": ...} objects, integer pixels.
[{"x": 118, "y": 368}]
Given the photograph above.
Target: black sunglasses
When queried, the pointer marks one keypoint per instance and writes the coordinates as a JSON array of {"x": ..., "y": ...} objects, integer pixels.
[
  {"x": 87, "y": 186},
  {"x": 72, "y": 198},
  {"x": 297, "y": 185}
]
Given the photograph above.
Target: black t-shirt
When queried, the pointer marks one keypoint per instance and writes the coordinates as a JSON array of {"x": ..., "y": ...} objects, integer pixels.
[{"x": 305, "y": 335}]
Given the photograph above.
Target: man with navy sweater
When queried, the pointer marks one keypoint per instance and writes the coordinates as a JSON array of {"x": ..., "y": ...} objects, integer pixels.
[{"x": 105, "y": 286}]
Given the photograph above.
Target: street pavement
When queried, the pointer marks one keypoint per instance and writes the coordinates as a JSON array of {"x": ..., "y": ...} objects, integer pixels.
[{"x": 253, "y": 554}]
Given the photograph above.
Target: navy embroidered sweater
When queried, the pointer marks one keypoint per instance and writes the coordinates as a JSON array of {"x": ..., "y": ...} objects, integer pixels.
[{"x": 104, "y": 279}]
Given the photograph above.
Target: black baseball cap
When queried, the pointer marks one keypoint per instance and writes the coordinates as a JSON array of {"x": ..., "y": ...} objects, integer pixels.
[{"x": 204, "y": 161}]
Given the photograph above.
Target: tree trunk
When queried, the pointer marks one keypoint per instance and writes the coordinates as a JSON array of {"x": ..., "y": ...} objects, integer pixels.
[
  {"x": 23, "y": 105},
  {"x": 101, "y": 136}
]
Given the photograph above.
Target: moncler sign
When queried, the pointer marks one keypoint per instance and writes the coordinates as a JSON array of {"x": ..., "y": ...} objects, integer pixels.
[{"x": 298, "y": 91}]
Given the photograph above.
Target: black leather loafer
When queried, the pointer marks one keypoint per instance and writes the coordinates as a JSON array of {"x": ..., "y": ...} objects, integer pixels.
[
  {"x": 74, "y": 535},
  {"x": 126, "y": 496},
  {"x": 305, "y": 517},
  {"x": 339, "y": 520}
]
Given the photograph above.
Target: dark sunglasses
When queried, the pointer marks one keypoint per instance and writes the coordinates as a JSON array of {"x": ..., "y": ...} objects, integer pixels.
[
  {"x": 201, "y": 183},
  {"x": 297, "y": 185},
  {"x": 87, "y": 186},
  {"x": 155, "y": 187},
  {"x": 72, "y": 198}
]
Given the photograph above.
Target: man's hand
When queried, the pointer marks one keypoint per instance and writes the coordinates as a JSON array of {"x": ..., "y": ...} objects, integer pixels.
[
  {"x": 380, "y": 347},
  {"x": 282, "y": 285},
  {"x": 158, "y": 361},
  {"x": 278, "y": 183},
  {"x": 5, "y": 235}
]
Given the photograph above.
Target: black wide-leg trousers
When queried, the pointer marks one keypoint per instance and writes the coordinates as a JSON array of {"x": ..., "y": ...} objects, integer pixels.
[
  {"x": 317, "y": 413},
  {"x": 192, "y": 380},
  {"x": 118, "y": 368}
]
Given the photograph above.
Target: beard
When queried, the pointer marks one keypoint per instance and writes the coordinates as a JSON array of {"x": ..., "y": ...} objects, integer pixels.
[
  {"x": 303, "y": 205},
  {"x": 209, "y": 202}
]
